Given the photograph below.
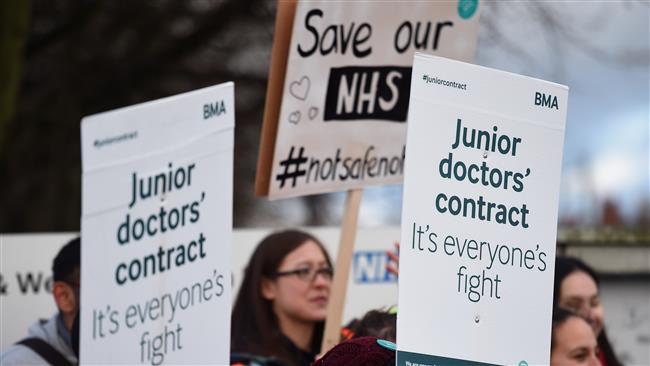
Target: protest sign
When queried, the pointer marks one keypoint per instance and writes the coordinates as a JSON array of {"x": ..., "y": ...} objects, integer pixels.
[
  {"x": 479, "y": 220},
  {"x": 338, "y": 89},
  {"x": 27, "y": 260},
  {"x": 157, "y": 231}
]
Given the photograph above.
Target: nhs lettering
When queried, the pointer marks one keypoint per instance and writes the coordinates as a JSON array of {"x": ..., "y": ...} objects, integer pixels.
[
  {"x": 370, "y": 267},
  {"x": 368, "y": 92}
]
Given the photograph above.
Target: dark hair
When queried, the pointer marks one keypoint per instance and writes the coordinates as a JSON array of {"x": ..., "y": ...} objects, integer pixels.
[
  {"x": 560, "y": 316},
  {"x": 375, "y": 323},
  {"x": 363, "y": 351},
  {"x": 255, "y": 328},
  {"x": 564, "y": 266},
  {"x": 67, "y": 261}
]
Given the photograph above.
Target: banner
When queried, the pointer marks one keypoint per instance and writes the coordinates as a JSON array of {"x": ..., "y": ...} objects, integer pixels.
[
  {"x": 25, "y": 273},
  {"x": 344, "y": 82},
  {"x": 479, "y": 219},
  {"x": 156, "y": 231},
  {"x": 26, "y": 281}
]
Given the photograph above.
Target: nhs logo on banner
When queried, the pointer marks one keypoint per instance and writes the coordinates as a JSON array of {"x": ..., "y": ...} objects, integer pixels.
[{"x": 370, "y": 267}]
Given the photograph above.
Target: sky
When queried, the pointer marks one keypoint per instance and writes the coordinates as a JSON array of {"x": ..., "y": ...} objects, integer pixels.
[
  {"x": 603, "y": 58},
  {"x": 600, "y": 49}
]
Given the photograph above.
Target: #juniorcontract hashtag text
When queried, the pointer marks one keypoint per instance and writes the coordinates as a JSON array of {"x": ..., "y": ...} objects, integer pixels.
[{"x": 452, "y": 84}]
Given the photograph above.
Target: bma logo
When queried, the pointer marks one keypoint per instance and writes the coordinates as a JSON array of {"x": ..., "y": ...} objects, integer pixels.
[
  {"x": 370, "y": 267},
  {"x": 544, "y": 100},
  {"x": 214, "y": 109}
]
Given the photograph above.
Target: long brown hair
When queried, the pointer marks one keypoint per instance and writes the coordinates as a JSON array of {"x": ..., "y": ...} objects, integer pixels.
[
  {"x": 564, "y": 266},
  {"x": 255, "y": 328}
]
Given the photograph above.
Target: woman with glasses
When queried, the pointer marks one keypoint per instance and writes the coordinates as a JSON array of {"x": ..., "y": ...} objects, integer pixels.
[
  {"x": 280, "y": 310},
  {"x": 576, "y": 289}
]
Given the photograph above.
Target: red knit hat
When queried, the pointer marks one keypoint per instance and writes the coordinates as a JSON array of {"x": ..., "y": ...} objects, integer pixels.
[{"x": 364, "y": 351}]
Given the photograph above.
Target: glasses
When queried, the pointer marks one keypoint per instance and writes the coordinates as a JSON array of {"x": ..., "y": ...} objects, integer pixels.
[{"x": 307, "y": 273}]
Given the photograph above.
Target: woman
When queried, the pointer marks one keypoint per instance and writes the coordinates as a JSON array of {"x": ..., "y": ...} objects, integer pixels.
[
  {"x": 576, "y": 289},
  {"x": 573, "y": 343},
  {"x": 282, "y": 303}
]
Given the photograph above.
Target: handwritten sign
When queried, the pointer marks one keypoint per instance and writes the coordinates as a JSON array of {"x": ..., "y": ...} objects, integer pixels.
[
  {"x": 342, "y": 119},
  {"x": 481, "y": 189},
  {"x": 156, "y": 231}
]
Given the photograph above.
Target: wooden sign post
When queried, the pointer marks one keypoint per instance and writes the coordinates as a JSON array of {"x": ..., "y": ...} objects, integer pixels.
[{"x": 332, "y": 335}]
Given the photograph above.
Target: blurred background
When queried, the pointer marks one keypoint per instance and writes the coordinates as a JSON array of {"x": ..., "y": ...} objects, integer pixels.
[{"x": 62, "y": 60}]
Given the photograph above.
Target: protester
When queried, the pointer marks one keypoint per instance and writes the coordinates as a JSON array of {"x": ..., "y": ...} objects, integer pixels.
[
  {"x": 51, "y": 341},
  {"x": 576, "y": 289},
  {"x": 362, "y": 351},
  {"x": 381, "y": 324},
  {"x": 282, "y": 303},
  {"x": 573, "y": 343}
]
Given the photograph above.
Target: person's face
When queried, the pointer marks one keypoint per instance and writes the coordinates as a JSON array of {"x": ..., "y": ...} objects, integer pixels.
[
  {"x": 66, "y": 296},
  {"x": 579, "y": 293},
  {"x": 575, "y": 344},
  {"x": 301, "y": 296}
]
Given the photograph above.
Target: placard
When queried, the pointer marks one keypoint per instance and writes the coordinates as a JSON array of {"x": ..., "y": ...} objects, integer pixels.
[
  {"x": 156, "y": 231},
  {"x": 344, "y": 89},
  {"x": 479, "y": 220}
]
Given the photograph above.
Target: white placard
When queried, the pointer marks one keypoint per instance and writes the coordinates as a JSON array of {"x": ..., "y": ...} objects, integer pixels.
[
  {"x": 156, "y": 231},
  {"x": 484, "y": 151},
  {"x": 342, "y": 121}
]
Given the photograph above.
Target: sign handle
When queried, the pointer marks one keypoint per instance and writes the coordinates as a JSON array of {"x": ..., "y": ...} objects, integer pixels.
[{"x": 332, "y": 333}]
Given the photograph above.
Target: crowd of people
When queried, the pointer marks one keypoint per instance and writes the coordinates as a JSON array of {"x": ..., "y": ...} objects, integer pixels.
[
  {"x": 276, "y": 320},
  {"x": 278, "y": 315}
]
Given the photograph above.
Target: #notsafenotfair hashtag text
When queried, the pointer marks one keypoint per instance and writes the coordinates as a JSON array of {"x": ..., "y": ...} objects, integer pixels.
[{"x": 338, "y": 167}]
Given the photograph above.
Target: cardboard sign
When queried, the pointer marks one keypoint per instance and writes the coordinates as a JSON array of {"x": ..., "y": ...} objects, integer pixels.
[
  {"x": 484, "y": 151},
  {"x": 157, "y": 231},
  {"x": 344, "y": 83}
]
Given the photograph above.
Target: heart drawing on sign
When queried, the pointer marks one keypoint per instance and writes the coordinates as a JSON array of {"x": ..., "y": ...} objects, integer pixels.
[
  {"x": 294, "y": 117},
  {"x": 300, "y": 89},
  {"x": 312, "y": 113}
]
